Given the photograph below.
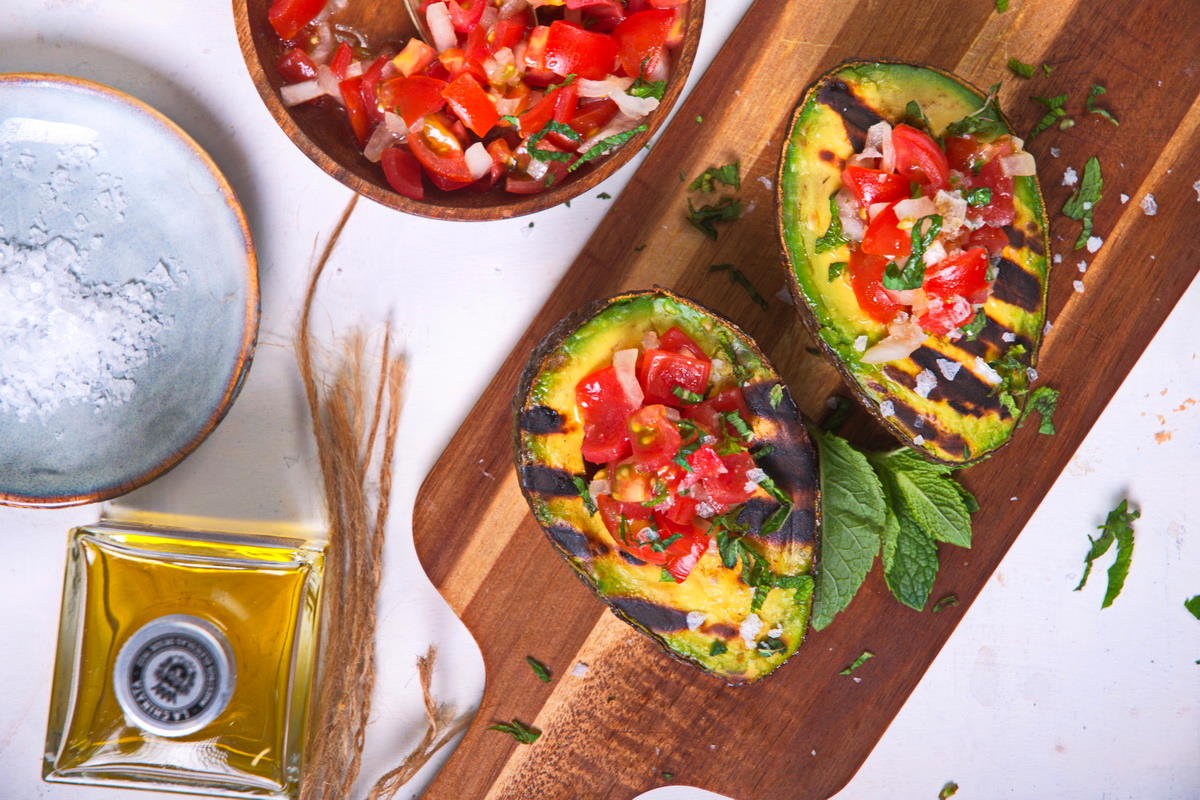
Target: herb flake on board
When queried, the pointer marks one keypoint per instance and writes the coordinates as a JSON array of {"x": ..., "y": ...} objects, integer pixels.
[
  {"x": 738, "y": 277},
  {"x": 524, "y": 734},
  {"x": 539, "y": 669}
]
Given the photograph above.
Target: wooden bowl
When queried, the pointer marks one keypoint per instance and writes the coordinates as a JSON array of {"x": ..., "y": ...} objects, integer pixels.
[{"x": 323, "y": 134}]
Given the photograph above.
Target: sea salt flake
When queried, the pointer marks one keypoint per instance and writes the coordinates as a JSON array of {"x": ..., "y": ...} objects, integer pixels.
[
  {"x": 1082, "y": 265},
  {"x": 580, "y": 669},
  {"x": 1196, "y": 188},
  {"x": 1070, "y": 177},
  {"x": 988, "y": 374},
  {"x": 887, "y": 408},
  {"x": 918, "y": 440},
  {"x": 750, "y": 628},
  {"x": 1094, "y": 243},
  {"x": 1124, "y": 198},
  {"x": 1032, "y": 374},
  {"x": 1078, "y": 286},
  {"x": 1149, "y": 205},
  {"x": 1008, "y": 336},
  {"x": 860, "y": 344},
  {"x": 766, "y": 182},
  {"x": 1047, "y": 328},
  {"x": 1055, "y": 152},
  {"x": 694, "y": 620},
  {"x": 926, "y": 381},
  {"x": 948, "y": 368},
  {"x": 1058, "y": 258}
]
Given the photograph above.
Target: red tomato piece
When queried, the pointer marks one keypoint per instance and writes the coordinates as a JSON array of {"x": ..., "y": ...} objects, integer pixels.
[
  {"x": 1000, "y": 211},
  {"x": 866, "y": 277},
  {"x": 683, "y": 553},
  {"x": 341, "y": 61},
  {"x": 963, "y": 274},
  {"x": 591, "y": 117},
  {"x": 962, "y": 153},
  {"x": 507, "y": 32},
  {"x": 944, "y": 316},
  {"x": 356, "y": 109},
  {"x": 296, "y": 66},
  {"x": 731, "y": 399},
  {"x": 471, "y": 104},
  {"x": 676, "y": 341},
  {"x": 413, "y": 97},
  {"x": 994, "y": 240},
  {"x": 654, "y": 438},
  {"x": 536, "y": 71},
  {"x": 440, "y": 151},
  {"x": 289, "y": 17},
  {"x": 874, "y": 185},
  {"x": 570, "y": 50},
  {"x": 730, "y": 487},
  {"x": 661, "y": 371},
  {"x": 605, "y": 410},
  {"x": 919, "y": 159},
  {"x": 681, "y": 512},
  {"x": 668, "y": 3},
  {"x": 456, "y": 62},
  {"x": 476, "y": 46},
  {"x": 705, "y": 463},
  {"x": 884, "y": 236},
  {"x": 629, "y": 484},
  {"x": 403, "y": 172},
  {"x": 642, "y": 36},
  {"x": 635, "y": 515},
  {"x": 369, "y": 88},
  {"x": 705, "y": 415},
  {"x": 465, "y": 16}
]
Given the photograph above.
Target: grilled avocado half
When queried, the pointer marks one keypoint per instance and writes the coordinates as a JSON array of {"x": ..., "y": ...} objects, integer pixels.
[
  {"x": 725, "y": 637},
  {"x": 963, "y": 419}
]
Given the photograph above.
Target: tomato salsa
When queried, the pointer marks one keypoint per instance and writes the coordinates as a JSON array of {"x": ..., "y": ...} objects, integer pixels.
[
  {"x": 924, "y": 223},
  {"x": 672, "y": 432},
  {"x": 510, "y": 93}
]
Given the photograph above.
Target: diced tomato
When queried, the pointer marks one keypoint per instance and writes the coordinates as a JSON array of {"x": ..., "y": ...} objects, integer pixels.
[
  {"x": 289, "y": 17},
  {"x": 963, "y": 274},
  {"x": 884, "y": 237},
  {"x": 676, "y": 341},
  {"x": 537, "y": 73},
  {"x": 629, "y": 484},
  {"x": 1000, "y": 211},
  {"x": 591, "y": 117},
  {"x": 296, "y": 66},
  {"x": 709, "y": 413},
  {"x": 369, "y": 89},
  {"x": 471, "y": 104},
  {"x": 602, "y": 15},
  {"x": 440, "y": 151},
  {"x": 684, "y": 552},
  {"x": 668, "y": 3},
  {"x": 654, "y": 438},
  {"x": 866, "y": 277},
  {"x": 730, "y": 487},
  {"x": 705, "y": 463},
  {"x": 731, "y": 399},
  {"x": 476, "y": 46},
  {"x": 640, "y": 39},
  {"x": 502, "y": 157},
  {"x": 994, "y": 240},
  {"x": 919, "y": 159},
  {"x": 456, "y": 63},
  {"x": 508, "y": 32},
  {"x": 413, "y": 97},
  {"x": 962, "y": 153},
  {"x": 415, "y": 57},
  {"x": 681, "y": 512},
  {"x": 705, "y": 415},
  {"x": 874, "y": 185},
  {"x": 356, "y": 109},
  {"x": 570, "y": 50},
  {"x": 943, "y": 316},
  {"x": 636, "y": 516},
  {"x": 632, "y": 526},
  {"x": 605, "y": 410},
  {"x": 403, "y": 172},
  {"x": 661, "y": 371},
  {"x": 465, "y": 15},
  {"x": 341, "y": 61}
]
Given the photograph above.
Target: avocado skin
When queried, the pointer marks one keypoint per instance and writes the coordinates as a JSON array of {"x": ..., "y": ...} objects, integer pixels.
[
  {"x": 585, "y": 341},
  {"x": 962, "y": 420}
]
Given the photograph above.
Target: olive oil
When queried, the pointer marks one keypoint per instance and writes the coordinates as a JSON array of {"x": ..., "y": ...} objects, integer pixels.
[{"x": 185, "y": 660}]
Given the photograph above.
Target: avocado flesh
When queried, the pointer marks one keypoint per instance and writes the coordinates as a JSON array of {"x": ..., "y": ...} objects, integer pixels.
[
  {"x": 962, "y": 419},
  {"x": 549, "y": 435}
]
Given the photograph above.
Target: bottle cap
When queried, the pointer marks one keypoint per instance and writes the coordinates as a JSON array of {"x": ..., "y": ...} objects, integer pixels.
[{"x": 174, "y": 675}]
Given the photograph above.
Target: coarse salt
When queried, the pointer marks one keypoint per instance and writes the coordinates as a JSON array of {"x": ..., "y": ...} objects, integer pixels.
[
  {"x": 1070, "y": 177},
  {"x": 1082, "y": 266},
  {"x": 1055, "y": 152},
  {"x": 860, "y": 344},
  {"x": 948, "y": 368},
  {"x": 1196, "y": 187},
  {"x": 694, "y": 620},
  {"x": 1149, "y": 205},
  {"x": 750, "y": 628},
  {"x": 1008, "y": 336},
  {"x": 988, "y": 374},
  {"x": 1058, "y": 258},
  {"x": 580, "y": 669},
  {"x": 918, "y": 440},
  {"x": 1078, "y": 286},
  {"x": 1032, "y": 374},
  {"x": 887, "y": 408},
  {"x": 1094, "y": 243},
  {"x": 1124, "y": 198},
  {"x": 926, "y": 381}
]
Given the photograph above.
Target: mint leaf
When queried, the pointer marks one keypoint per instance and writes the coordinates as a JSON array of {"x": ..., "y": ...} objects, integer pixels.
[
  {"x": 539, "y": 669},
  {"x": 1098, "y": 548},
  {"x": 833, "y": 238},
  {"x": 951, "y": 788},
  {"x": 1082, "y": 204},
  {"x": 858, "y": 662},
  {"x": 1020, "y": 67},
  {"x": 730, "y": 175},
  {"x": 853, "y": 514},
  {"x": 523, "y": 733},
  {"x": 1043, "y": 401},
  {"x": 1192, "y": 604},
  {"x": 936, "y": 506},
  {"x": 1120, "y": 521},
  {"x": 914, "y": 564}
]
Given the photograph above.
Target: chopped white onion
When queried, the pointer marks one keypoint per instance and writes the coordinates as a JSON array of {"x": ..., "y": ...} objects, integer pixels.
[
  {"x": 868, "y": 158},
  {"x": 671, "y": 414},
  {"x": 879, "y": 137},
  {"x": 649, "y": 340},
  {"x": 1018, "y": 143},
  {"x": 599, "y": 486},
  {"x": 953, "y": 208},
  {"x": 852, "y": 224},
  {"x": 914, "y": 208},
  {"x": 325, "y": 44},
  {"x": 636, "y": 107},
  {"x": 297, "y": 93},
  {"x": 874, "y": 209},
  {"x": 507, "y": 106},
  {"x": 437, "y": 16},
  {"x": 904, "y": 336},
  {"x": 479, "y": 160},
  {"x": 1018, "y": 164},
  {"x": 381, "y": 139},
  {"x": 490, "y": 16},
  {"x": 602, "y": 88},
  {"x": 904, "y": 297},
  {"x": 625, "y": 363},
  {"x": 328, "y": 82},
  {"x": 934, "y": 253},
  {"x": 395, "y": 123}
]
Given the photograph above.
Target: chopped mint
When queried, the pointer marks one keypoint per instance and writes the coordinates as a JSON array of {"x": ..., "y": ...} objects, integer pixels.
[
  {"x": 776, "y": 395},
  {"x": 951, "y": 788},
  {"x": 539, "y": 669},
  {"x": 1117, "y": 527},
  {"x": 738, "y": 277},
  {"x": 1192, "y": 604},
  {"x": 730, "y": 175},
  {"x": 582, "y": 487},
  {"x": 833, "y": 237},
  {"x": 725, "y": 209},
  {"x": 523, "y": 733},
  {"x": 1092, "y": 108},
  {"x": 858, "y": 662},
  {"x": 1043, "y": 401},
  {"x": 1082, "y": 204},
  {"x": 1021, "y": 68},
  {"x": 1054, "y": 113},
  {"x": 946, "y": 602}
]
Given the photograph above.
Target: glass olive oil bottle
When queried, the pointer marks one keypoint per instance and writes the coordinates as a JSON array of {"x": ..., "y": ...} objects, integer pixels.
[{"x": 186, "y": 658}]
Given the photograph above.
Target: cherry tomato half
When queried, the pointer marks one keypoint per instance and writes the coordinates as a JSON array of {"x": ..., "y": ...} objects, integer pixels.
[
  {"x": 654, "y": 438},
  {"x": 640, "y": 39},
  {"x": 919, "y": 159},
  {"x": 874, "y": 185},
  {"x": 570, "y": 50},
  {"x": 884, "y": 236},
  {"x": 661, "y": 371},
  {"x": 866, "y": 277},
  {"x": 605, "y": 410}
]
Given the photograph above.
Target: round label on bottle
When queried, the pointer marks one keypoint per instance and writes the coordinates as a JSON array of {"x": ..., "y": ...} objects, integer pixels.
[{"x": 175, "y": 675}]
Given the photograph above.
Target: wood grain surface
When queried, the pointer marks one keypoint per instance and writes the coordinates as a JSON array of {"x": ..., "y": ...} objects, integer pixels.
[
  {"x": 636, "y": 716},
  {"x": 321, "y": 131}
]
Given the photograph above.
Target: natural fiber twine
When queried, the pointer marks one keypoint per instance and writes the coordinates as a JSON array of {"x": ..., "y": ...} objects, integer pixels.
[{"x": 355, "y": 412}]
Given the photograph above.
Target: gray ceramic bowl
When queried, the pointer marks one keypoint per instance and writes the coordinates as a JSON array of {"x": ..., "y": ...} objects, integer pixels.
[{"x": 154, "y": 223}]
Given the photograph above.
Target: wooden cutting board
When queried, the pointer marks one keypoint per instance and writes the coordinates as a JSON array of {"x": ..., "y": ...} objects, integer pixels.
[{"x": 636, "y": 716}]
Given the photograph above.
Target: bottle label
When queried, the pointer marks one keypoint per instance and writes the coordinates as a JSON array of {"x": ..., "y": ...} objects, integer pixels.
[{"x": 175, "y": 675}]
